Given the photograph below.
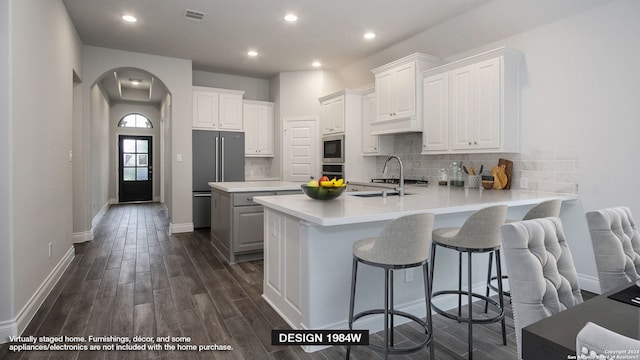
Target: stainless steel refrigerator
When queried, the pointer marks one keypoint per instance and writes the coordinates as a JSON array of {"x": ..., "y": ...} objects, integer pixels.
[{"x": 217, "y": 156}]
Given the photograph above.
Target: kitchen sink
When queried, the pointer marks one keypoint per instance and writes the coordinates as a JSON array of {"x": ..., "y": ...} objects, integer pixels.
[{"x": 377, "y": 194}]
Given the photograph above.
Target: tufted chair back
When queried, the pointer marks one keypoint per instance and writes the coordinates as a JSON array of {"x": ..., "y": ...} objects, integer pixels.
[
  {"x": 596, "y": 342},
  {"x": 542, "y": 275},
  {"x": 616, "y": 244}
]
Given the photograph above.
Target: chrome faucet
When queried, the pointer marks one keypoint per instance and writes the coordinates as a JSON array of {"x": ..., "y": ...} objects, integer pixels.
[{"x": 400, "y": 187}]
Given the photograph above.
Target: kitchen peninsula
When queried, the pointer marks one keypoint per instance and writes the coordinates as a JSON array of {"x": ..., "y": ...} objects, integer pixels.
[{"x": 308, "y": 249}]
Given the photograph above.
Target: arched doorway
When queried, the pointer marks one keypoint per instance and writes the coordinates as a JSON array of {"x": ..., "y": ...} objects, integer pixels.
[{"x": 120, "y": 171}]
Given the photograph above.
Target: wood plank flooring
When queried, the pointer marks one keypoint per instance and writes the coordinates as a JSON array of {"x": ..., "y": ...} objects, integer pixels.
[{"x": 134, "y": 279}]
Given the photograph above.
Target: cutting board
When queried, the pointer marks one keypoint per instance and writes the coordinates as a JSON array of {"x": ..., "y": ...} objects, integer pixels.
[{"x": 508, "y": 170}]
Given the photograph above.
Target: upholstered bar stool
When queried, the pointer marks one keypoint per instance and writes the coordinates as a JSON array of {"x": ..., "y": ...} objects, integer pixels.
[
  {"x": 549, "y": 208},
  {"x": 480, "y": 233},
  {"x": 403, "y": 243}
]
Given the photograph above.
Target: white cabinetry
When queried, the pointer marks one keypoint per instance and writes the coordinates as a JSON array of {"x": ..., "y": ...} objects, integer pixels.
[
  {"x": 373, "y": 144},
  {"x": 332, "y": 114},
  {"x": 399, "y": 93},
  {"x": 217, "y": 109},
  {"x": 346, "y": 105},
  {"x": 257, "y": 118},
  {"x": 472, "y": 105}
]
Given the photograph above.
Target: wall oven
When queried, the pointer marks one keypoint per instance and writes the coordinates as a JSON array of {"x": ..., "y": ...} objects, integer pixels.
[
  {"x": 333, "y": 149},
  {"x": 333, "y": 171}
]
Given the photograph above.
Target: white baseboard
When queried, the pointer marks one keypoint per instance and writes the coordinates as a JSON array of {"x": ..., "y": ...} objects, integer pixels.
[
  {"x": 82, "y": 236},
  {"x": 180, "y": 228},
  {"x": 96, "y": 219},
  {"x": 16, "y": 326},
  {"x": 589, "y": 283}
]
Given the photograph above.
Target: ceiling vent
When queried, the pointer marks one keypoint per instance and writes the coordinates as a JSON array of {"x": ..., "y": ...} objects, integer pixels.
[{"x": 193, "y": 15}]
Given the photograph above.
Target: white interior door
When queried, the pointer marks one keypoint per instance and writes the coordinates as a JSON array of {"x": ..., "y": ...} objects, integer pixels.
[{"x": 300, "y": 149}]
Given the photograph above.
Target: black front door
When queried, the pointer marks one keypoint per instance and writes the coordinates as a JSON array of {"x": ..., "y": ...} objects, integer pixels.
[{"x": 135, "y": 168}]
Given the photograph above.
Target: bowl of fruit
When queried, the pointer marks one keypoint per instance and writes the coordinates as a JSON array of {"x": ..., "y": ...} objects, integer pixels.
[{"x": 324, "y": 189}]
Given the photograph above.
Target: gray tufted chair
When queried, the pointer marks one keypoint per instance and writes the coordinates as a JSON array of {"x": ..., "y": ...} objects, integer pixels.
[
  {"x": 596, "y": 342},
  {"x": 616, "y": 244},
  {"x": 542, "y": 275}
]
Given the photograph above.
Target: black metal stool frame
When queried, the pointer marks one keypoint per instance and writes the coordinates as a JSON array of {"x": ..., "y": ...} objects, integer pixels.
[
  {"x": 470, "y": 294},
  {"x": 389, "y": 311}
]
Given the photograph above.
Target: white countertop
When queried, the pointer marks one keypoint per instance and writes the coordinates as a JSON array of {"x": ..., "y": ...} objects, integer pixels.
[
  {"x": 250, "y": 186},
  {"x": 350, "y": 209}
]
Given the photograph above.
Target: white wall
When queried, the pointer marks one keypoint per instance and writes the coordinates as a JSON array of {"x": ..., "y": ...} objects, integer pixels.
[
  {"x": 117, "y": 112},
  {"x": 6, "y": 162},
  {"x": 40, "y": 194},
  {"x": 99, "y": 150},
  {"x": 297, "y": 95},
  {"x": 254, "y": 88},
  {"x": 176, "y": 75}
]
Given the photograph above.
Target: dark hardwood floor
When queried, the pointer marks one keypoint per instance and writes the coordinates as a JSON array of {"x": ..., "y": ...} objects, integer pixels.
[{"x": 135, "y": 280}]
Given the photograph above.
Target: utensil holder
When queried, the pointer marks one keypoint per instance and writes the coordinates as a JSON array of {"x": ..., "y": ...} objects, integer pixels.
[{"x": 473, "y": 181}]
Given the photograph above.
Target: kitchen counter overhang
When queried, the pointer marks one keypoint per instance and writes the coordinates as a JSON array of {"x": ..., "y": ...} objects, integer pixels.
[
  {"x": 350, "y": 208},
  {"x": 258, "y": 185}
]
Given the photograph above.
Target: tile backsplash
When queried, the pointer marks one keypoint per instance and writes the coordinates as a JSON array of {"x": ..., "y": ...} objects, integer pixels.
[
  {"x": 257, "y": 167},
  {"x": 552, "y": 170}
]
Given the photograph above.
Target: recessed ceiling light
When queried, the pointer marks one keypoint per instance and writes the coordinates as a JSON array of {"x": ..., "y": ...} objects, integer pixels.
[
  {"x": 369, "y": 35},
  {"x": 316, "y": 64},
  {"x": 252, "y": 53},
  {"x": 129, "y": 18},
  {"x": 291, "y": 18}
]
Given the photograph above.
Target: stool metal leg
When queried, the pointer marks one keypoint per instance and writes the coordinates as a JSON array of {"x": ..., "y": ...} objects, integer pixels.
[
  {"x": 459, "y": 284},
  {"x": 386, "y": 313},
  {"x": 501, "y": 296},
  {"x": 354, "y": 272},
  {"x": 432, "y": 265},
  {"x": 427, "y": 297},
  {"x": 486, "y": 303},
  {"x": 390, "y": 291},
  {"x": 469, "y": 304}
]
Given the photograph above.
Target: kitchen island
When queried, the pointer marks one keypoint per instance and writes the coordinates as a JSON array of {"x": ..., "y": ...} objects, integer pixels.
[
  {"x": 236, "y": 220},
  {"x": 308, "y": 250}
]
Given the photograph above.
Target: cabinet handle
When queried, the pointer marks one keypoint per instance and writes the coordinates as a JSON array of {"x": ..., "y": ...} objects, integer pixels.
[
  {"x": 469, "y": 142},
  {"x": 250, "y": 198},
  {"x": 475, "y": 143}
]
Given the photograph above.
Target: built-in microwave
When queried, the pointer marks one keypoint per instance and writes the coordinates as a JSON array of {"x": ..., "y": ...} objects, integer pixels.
[{"x": 333, "y": 149}]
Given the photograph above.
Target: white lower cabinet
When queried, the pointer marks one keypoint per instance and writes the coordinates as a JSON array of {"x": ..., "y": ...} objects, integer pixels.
[
  {"x": 282, "y": 266},
  {"x": 472, "y": 105},
  {"x": 258, "y": 124}
]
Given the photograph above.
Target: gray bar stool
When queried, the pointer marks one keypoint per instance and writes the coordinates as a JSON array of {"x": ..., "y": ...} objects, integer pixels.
[
  {"x": 403, "y": 243},
  {"x": 549, "y": 208},
  {"x": 480, "y": 233}
]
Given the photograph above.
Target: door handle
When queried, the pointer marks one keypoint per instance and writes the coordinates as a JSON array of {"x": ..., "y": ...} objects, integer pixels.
[
  {"x": 215, "y": 159},
  {"x": 222, "y": 157}
]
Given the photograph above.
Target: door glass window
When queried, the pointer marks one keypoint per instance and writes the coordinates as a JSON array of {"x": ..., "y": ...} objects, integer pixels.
[{"x": 135, "y": 156}]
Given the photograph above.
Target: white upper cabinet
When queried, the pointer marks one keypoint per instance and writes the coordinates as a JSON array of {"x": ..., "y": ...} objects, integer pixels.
[
  {"x": 436, "y": 113},
  {"x": 373, "y": 144},
  {"x": 258, "y": 126},
  {"x": 217, "y": 109},
  {"x": 332, "y": 114},
  {"x": 398, "y": 92},
  {"x": 472, "y": 105}
]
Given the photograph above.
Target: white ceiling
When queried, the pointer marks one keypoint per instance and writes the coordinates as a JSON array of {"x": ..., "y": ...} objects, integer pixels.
[{"x": 329, "y": 31}]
